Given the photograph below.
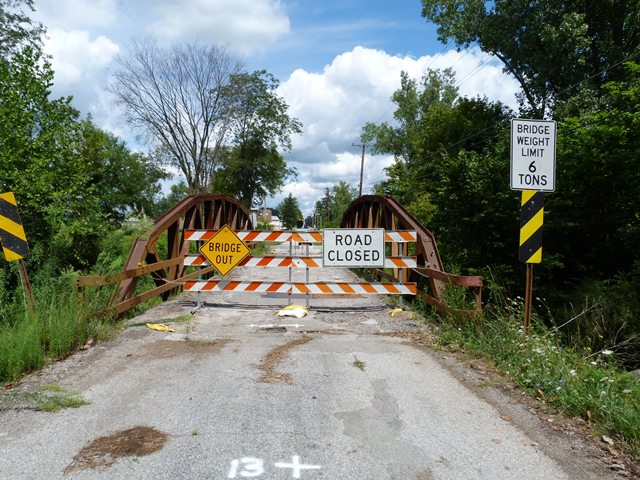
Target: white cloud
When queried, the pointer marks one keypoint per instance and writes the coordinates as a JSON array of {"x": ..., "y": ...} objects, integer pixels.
[
  {"x": 76, "y": 14},
  {"x": 80, "y": 64},
  {"x": 247, "y": 26},
  {"x": 356, "y": 88},
  {"x": 76, "y": 57}
]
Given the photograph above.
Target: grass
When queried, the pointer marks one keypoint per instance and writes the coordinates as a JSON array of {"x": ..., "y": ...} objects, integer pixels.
[
  {"x": 574, "y": 380},
  {"x": 359, "y": 364},
  {"x": 51, "y": 398},
  {"x": 60, "y": 324}
]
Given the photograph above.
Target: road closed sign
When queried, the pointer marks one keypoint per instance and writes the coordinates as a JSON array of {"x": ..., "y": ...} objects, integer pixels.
[
  {"x": 533, "y": 155},
  {"x": 353, "y": 247}
]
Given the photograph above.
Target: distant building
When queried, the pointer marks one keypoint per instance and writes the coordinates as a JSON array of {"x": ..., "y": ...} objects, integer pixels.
[
  {"x": 276, "y": 223},
  {"x": 260, "y": 217}
]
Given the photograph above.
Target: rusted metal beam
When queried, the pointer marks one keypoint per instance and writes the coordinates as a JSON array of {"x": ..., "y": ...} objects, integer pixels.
[
  {"x": 371, "y": 211},
  {"x": 110, "y": 279}
]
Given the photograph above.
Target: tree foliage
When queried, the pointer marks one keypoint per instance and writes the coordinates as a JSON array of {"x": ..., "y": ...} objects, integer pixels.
[
  {"x": 330, "y": 208},
  {"x": 180, "y": 99},
  {"x": 38, "y": 160},
  {"x": 290, "y": 213},
  {"x": 549, "y": 47},
  {"x": 17, "y": 30},
  {"x": 433, "y": 124},
  {"x": 260, "y": 127},
  {"x": 127, "y": 182}
]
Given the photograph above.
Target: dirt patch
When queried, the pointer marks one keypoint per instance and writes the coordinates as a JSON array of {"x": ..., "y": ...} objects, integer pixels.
[
  {"x": 105, "y": 451},
  {"x": 174, "y": 348},
  {"x": 271, "y": 360}
]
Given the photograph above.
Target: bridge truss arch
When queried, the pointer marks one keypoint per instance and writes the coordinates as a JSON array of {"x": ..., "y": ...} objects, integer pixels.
[{"x": 378, "y": 211}]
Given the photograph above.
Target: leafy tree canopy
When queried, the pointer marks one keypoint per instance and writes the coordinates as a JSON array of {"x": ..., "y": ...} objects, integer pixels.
[
  {"x": 549, "y": 47},
  {"x": 253, "y": 168},
  {"x": 17, "y": 30}
]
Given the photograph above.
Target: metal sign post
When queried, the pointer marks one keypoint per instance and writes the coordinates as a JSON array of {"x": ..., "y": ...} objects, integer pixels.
[{"x": 533, "y": 171}]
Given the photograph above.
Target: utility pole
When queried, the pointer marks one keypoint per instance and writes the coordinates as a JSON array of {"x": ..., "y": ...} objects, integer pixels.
[{"x": 363, "y": 145}]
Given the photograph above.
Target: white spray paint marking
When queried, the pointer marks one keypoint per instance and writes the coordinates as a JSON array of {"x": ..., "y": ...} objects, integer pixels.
[
  {"x": 251, "y": 467},
  {"x": 296, "y": 466},
  {"x": 254, "y": 467}
]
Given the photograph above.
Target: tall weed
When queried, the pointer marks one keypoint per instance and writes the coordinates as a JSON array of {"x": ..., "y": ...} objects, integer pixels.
[{"x": 576, "y": 380}]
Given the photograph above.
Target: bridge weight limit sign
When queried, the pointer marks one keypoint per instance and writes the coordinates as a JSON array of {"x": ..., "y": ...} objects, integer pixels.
[
  {"x": 533, "y": 171},
  {"x": 533, "y": 155}
]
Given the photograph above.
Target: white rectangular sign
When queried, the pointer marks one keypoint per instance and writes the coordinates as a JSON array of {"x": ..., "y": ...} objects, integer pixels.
[
  {"x": 353, "y": 247},
  {"x": 533, "y": 155}
]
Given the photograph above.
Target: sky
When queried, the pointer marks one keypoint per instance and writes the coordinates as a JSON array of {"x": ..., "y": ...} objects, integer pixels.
[{"x": 338, "y": 62}]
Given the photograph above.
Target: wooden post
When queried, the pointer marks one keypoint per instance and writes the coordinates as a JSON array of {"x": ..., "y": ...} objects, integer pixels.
[
  {"x": 527, "y": 298},
  {"x": 26, "y": 285}
]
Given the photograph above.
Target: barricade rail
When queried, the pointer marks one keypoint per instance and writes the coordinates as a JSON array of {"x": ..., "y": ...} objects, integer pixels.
[
  {"x": 296, "y": 262},
  {"x": 196, "y": 217}
]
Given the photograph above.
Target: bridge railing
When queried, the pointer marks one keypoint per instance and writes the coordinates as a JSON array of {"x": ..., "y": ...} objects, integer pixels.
[
  {"x": 167, "y": 269},
  {"x": 377, "y": 211}
]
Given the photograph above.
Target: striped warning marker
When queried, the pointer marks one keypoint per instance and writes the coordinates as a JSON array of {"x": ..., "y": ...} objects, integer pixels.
[
  {"x": 398, "y": 236},
  {"x": 12, "y": 236},
  {"x": 257, "y": 236},
  {"x": 372, "y": 288},
  {"x": 531, "y": 226},
  {"x": 295, "y": 262}
]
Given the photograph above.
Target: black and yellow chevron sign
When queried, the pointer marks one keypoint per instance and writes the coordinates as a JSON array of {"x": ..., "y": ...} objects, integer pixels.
[
  {"x": 14, "y": 241},
  {"x": 531, "y": 226}
]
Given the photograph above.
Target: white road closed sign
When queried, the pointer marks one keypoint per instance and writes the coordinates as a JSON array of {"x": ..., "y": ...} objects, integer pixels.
[
  {"x": 533, "y": 155},
  {"x": 353, "y": 247}
]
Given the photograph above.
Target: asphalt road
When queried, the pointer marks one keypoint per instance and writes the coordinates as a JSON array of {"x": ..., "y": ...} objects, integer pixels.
[{"x": 332, "y": 395}]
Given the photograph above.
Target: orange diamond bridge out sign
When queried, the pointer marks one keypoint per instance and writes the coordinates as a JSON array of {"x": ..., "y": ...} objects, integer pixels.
[{"x": 225, "y": 250}]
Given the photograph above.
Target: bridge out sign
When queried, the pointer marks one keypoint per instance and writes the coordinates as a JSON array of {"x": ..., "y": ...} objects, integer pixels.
[
  {"x": 533, "y": 155},
  {"x": 353, "y": 247}
]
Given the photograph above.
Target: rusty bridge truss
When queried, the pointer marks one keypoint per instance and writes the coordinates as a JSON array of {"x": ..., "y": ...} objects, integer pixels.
[{"x": 161, "y": 253}]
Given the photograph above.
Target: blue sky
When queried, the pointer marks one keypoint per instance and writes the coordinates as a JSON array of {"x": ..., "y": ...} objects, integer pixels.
[{"x": 338, "y": 63}]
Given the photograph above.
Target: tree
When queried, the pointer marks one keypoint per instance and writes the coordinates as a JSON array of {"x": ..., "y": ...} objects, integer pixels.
[
  {"x": 290, "y": 213},
  {"x": 334, "y": 203},
  {"x": 177, "y": 192},
  {"x": 599, "y": 173},
  {"x": 549, "y": 47},
  {"x": 17, "y": 30},
  {"x": 127, "y": 182},
  {"x": 432, "y": 123},
  {"x": 39, "y": 161},
  {"x": 260, "y": 126},
  {"x": 181, "y": 100}
]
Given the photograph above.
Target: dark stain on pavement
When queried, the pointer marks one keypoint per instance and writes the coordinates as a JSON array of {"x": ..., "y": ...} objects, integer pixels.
[
  {"x": 173, "y": 348},
  {"x": 272, "y": 359},
  {"x": 105, "y": 451}
]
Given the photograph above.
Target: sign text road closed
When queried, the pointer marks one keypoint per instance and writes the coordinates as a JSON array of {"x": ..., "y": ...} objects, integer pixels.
[
  {"x": 353, "y": 247},
  {"x": 533, "y": 155}
]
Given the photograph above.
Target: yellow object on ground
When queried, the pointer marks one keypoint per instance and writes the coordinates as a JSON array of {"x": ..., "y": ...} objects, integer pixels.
[
  {"x": 297, "y": 311},
  {"x": 161, "y": 327},
  {"x": 395, "y": 311}
]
